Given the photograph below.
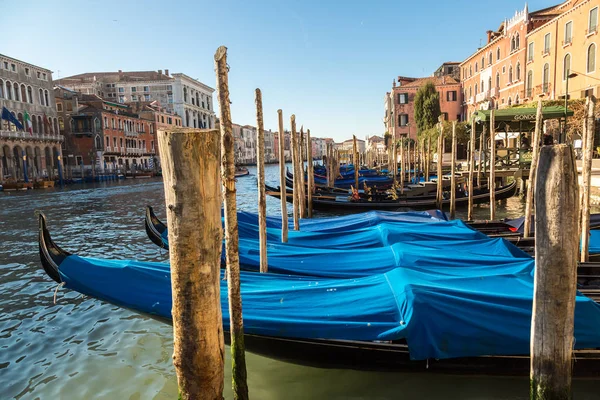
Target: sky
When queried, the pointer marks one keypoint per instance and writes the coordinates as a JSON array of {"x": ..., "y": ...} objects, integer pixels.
[{"x": 328, "y": 62}]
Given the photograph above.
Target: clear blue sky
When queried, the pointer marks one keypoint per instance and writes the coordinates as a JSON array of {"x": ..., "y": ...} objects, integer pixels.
[{"x": 329, "y": 62}]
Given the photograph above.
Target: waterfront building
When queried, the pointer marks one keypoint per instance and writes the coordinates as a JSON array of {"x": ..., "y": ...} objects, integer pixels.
[
  {"x": 448, "y": 69},
  {"x": 179, "y": 93},
  {"x": 494, "y": 76},
  {"x": 103, "y": 136},
  {"x": 26, "y": 92},
  {"x": 565, "y": 45},
  {"x": 399, "y": 103}
]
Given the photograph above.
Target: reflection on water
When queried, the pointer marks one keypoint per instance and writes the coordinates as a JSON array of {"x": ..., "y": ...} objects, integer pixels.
[{"x": 81, "y": 348}]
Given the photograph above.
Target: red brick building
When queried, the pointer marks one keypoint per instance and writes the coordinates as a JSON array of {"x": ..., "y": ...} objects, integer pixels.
[{"x": 399, "y": 118}]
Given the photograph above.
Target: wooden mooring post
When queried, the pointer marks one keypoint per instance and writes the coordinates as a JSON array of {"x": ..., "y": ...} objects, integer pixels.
[
  {"x": 302, "y": 177},
  {"x": 440, "y": 158},
  {"x": 355, "y": 161},
  {"x": 192, "y": 184},
  {"x": 453, "y": 176},
  {"x": 232, "y": 258},
  {"x": 555, "y": 281},
  {"x": 481, "y": 150},
  {"x": 282, "y": 184},
  {"x": 297, "y": 172},
  {"x": 589, "y": 128},
  {"x": 471, "y": 170},
  {"x": 260, "y": 168},
  {"x": 402, "y": 166},
  {"x": 492, "y": 181},
  {"x": 428, "y": 159},
  {"x": 310, "y": 181},
  {"x": 532, "y": 171}
]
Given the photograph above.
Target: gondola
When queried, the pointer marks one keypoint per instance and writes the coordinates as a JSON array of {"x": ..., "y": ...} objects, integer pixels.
[
  {"x": 241, "y": 171},
  {"x": 381, "y": 355},
  {"x": 344, "y": 203}
]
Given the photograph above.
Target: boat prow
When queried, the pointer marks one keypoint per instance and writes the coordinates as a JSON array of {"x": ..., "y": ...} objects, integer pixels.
[
  {"x": 51, "y": 255},
  {"x": 155, "y": 228}
]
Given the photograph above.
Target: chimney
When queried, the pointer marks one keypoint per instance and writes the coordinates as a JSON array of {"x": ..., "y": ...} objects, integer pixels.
[
  {"x": 394, "y": 83},
  {"x": 160, "y": 72},
  {"x": 166, "y": 72},
  {"x": 489, "y": 34}
]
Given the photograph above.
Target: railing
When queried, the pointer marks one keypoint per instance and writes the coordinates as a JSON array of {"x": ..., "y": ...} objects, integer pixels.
[
  {"x": 482, "y": 96},
  {"x": 107, "y": 149},
  {"x": 130, "y": 133},
  {"x": 567, "y": 41},
  {"x": 591, "y": 30},
  {"x": 27, "y": 136}
]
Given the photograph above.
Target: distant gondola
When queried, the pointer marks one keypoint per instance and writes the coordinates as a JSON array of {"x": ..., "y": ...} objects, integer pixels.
[{"x": 324, "y": 353}]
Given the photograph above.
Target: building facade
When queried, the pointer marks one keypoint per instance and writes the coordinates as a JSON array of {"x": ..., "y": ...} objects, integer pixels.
[
  {"x": 193, "y": 102},
  {"x": 26, "y": 91},
  {"x": 399, "y": 105},
  {"x": 495, "y": 75},
  {"x": 567, "y": 45}
]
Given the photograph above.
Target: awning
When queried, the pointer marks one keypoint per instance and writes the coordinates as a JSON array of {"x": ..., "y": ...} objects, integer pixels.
[{"x": 517, "y": 119}]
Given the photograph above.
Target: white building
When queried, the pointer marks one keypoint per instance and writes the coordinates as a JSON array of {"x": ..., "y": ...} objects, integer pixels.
[{"x": 192, "y": 100}]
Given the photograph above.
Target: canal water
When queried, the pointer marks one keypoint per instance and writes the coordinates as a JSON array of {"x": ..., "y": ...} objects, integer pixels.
[{"x": 81, "y": 348}]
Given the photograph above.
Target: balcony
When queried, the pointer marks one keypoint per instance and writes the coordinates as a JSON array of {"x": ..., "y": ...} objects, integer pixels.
[
  {"x": 471, "y": 100},
  {"x": 130, "y": 133},
  {"x": 494, "y": 92},
  {"x": 482, "y": 96},
  {"x": 20, "y": 135}
]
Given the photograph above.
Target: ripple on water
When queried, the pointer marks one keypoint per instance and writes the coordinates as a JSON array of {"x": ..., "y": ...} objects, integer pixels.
[{"x": 81, "y": 348}]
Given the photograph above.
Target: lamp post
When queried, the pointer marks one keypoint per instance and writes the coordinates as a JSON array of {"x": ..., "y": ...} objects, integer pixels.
[{"x": 569, "y": 75}]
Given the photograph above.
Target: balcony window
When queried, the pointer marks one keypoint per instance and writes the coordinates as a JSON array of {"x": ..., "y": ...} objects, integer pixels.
[
  {"x": 403, "y": 120},
  {"x": 547, "y": 44},
  {"x": 530, "y": 52},
  {"x": 591, "y": 58},
  {"x": 403, "y": 98},
  {"x": 568, "y": 33},
  {"x": 545, "y": 78}
]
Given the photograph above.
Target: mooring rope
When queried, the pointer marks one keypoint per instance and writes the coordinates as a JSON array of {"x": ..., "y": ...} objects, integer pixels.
[{"x": 56, "y": 290}]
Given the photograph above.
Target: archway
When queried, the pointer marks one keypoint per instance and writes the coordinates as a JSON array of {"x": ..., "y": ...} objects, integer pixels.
[
  {"x": 56, "y": 160},
  {"x": 32, "y": 172},
  {"x": 18, "y": 162},
  {"x": 7, "y": 162},
  {"x": 37, "y": 161}
]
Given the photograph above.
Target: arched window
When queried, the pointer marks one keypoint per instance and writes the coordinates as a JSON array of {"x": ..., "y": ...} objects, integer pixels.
[
  {"x": 517, "y": 99},
  {"x": 29, "y": 94},
  {"x": 98, "y": 142},
  {"x": 566, "y": 66},
  {"x": 545, "y": 78},
  {"x": 46, "y": 98},
  {"x": 512, "y": 44},
  {"x": 591, "y": 58},
  {"x": 470, "y": 71},
  {"x": 23, "y": 94},
  {"x": 16, "y": 91},
  {"x": 490, "y": 83},
  {"x": 482, "y": 87},
  {"x": 510, "y": 74},
  {"x": 517, "y": 43},
  {"x": 1, "y": 89},
  {"x": 470, "y": 91},
  {"x": 490, "y": 58},
  {"x": 475, "y": 89},
  {"x": 20, "y": 118},
  {"x": 34, "y": 125},
  {"x": 8, "y": 90},
  {"x": 97, "y": 125},
  {"x": 41, "y": 127},
  {"x": 187, "y": 118},
  {"x": 498, "y": 54},
  {"x": 61, "y": 124},
  {"x": 482, "y": 62},
  {"x": 497, "y": 79},
  {"x": 41, "y": 94},
  {"x": 476, "y": 67},
  {"x": 518, "y": 71},
  {"x": 509, "y": 101},
  {"x": 185, "y": 98}
]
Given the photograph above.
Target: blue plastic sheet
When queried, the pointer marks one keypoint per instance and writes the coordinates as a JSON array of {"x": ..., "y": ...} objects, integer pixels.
[{"x": 441, "y": 315}]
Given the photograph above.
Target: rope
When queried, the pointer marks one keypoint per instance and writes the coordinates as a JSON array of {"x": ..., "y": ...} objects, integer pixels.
[{"x": 56, "y": 290}]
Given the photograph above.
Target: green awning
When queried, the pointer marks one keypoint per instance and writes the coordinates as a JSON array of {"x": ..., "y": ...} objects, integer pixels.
[{"x": 522, "y": 114}]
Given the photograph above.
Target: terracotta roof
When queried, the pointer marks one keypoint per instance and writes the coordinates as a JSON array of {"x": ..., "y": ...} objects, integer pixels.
[
  {"x": 443, "y": 80},
  {"x": 551, "y": 11}
]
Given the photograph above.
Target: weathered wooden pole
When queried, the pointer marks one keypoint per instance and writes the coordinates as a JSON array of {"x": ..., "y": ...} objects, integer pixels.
[
  {"x": 302, "y": 177},
  {"x": 232, "y": 258},
  {"x": 555, "y": 281},
  {"x": 453, "y": 176},
  {"x": 532, "y": 171},
  {"x": 191, "y": 176},
  {"x": 481, "y": 150},
  {"x": 297, "y": 172},
  {"x": 260, "y": 169},
  {"x": 428, "y": 158},
  {"x": 282, "y": 184},
  {"x": 409, "y": 161},
  {"x": 328, "y": 163},
  {"x": 589, "y": 127},
  {"x": 492, "y": 181},
  {"x": 402, "y": 166},
  {"x": 355, "y": 161},
  {"x": 440, "y": 158},
  {"x": 471, "y": 169},
  {"x": 311, "y": 176},
  {"x": 392, "y": 162}
]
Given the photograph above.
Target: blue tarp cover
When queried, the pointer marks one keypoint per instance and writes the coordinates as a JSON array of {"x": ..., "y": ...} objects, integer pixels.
[{"x": 442, "y": 311}]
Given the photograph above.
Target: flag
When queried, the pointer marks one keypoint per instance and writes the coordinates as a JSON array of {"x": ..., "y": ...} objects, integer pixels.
[
  {"x": 28, "y": 125},
  {"x": 7, "y": 116}
]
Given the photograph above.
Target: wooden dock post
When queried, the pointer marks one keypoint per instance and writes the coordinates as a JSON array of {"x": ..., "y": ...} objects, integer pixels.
[
  {"x": 555, "y": 281},
  {"x": 537, "y": 137},
  {"x": 481, "y": 150},
  {"x": 453, "y": 177},
  {"x": 302, "y": 177},
  {"x": 409, "y": 161},
  {"x": 282, "y": 184},
  {"x": 355, "y": 161},
  {"x": 260, "y": 169},
  {"x": 311, "y": 176},
  {"x": 392, "y": 167},
  {"x": 589, "y": 128},
  {"x": 440, "y": 158},
  {"x": 492, "y": 181},
  {"x": 236, "y": 325},
  {"x": 428, "y": 159},
  {"x": 471, "y": 169},
  {"x": 296, "y": 169},
  {"x": 191, "y": 176}
]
